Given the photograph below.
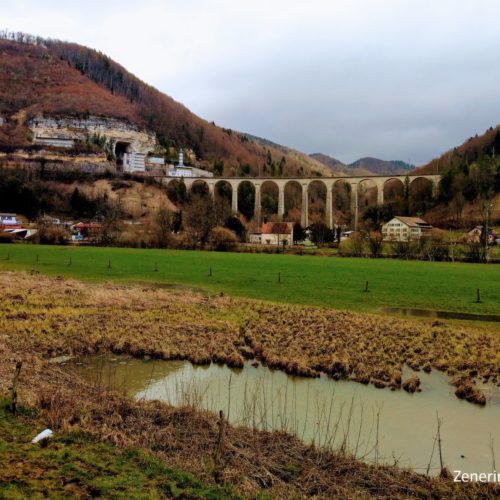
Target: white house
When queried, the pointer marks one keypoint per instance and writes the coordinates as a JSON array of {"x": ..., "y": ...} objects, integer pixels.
[
  {"x": 273, "y": 233},
  {"x": 405, "y": 229}
]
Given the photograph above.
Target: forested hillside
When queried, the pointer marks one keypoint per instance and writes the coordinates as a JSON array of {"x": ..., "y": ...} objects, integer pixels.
[
  {"x": 55, "y": 78},
  {"x": 470, "y": 185}
]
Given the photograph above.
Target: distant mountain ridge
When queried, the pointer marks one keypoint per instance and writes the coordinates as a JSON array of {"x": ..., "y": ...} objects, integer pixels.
[
  {"x": 382, "y": 167},
  {"x": 364, "y": 166}
]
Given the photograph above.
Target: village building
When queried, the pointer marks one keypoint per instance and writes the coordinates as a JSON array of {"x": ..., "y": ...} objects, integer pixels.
[
  {"x": 273, "y": 233},
  {"x": 405, "y": 229},
  {"x": 474, "y": 235},
  {"x": 83, "y": 231},
  {"x": 9, "y": 221},
  {"x": 181, "y": 170}
]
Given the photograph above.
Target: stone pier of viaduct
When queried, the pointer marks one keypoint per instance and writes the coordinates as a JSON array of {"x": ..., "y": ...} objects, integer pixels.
[{"x": 304, "y": 182}]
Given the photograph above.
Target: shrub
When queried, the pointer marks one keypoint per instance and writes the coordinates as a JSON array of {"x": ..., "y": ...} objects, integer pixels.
[
  {"x": 222, "y": 239},
  {"x": 375, "y": 242},
  {"x": 401, "y": 249},
  {"x": 475, "y": 252},
  {"x": 355, "y": 246},
  {"x": 49, "y": 234},
  {"x": 133, "y": 238}
]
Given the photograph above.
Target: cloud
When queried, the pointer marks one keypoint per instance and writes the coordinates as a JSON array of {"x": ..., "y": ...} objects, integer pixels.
[{"x": 389, "y": 78}]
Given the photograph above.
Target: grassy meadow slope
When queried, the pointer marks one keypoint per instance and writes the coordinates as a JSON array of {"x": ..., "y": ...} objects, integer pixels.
[{"x": 319, "y": 281}]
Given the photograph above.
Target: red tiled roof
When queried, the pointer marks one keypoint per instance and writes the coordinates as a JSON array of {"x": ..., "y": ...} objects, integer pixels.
[{"x": 277, "y": 228}]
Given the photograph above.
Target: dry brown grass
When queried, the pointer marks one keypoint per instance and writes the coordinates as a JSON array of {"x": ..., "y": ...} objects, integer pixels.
[
  {"x": 54, "y": 317},
  {"x": 364, "y": 348},
  {"x": 187, "y": 439},
  {"x": 42, "y": 317}
]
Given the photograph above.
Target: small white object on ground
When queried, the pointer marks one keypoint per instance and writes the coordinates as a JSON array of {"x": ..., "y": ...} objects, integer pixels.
[
  {"x": 60, "y": 359},
  {"x": 43, "y": 435}
]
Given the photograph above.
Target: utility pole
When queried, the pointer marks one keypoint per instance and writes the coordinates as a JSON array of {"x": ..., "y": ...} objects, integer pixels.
[{"x": 488, "y": 206}]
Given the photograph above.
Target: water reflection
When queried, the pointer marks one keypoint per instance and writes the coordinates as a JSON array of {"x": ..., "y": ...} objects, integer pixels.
[
  {"x": 374, "y": 424},
  {"x": 429, "y": 313}
]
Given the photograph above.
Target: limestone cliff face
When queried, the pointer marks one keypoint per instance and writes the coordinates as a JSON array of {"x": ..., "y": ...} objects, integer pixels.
[{"x": 68, "y": 130}]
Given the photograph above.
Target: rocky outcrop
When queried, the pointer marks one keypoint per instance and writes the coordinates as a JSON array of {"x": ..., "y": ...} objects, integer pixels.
[{"x": 69, "y": 130}]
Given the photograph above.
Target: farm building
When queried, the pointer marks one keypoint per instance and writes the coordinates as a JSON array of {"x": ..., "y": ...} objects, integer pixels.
[
  {"x": 273, "y": 233},
  {"x": 405, "y": 229}
]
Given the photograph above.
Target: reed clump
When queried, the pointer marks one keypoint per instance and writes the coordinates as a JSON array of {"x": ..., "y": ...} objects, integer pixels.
[
  {"x": 56, "y": 317},
  {"x": 412, "y": 383}
]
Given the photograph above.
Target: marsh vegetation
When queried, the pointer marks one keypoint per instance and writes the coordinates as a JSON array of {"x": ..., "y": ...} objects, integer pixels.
[{"x": 42, "y": 318}]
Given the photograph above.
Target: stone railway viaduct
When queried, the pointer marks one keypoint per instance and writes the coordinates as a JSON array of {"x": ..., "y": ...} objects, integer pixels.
[{"x": 304, "y": 182}]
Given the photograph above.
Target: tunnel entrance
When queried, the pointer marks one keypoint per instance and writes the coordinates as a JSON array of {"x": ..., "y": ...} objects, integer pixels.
[{"x": 120, "y": 149}]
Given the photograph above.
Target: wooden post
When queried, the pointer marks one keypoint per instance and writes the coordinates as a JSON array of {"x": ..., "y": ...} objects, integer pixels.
[
  {"x": 13, "y": 389},
  {"x": 478, "y": 296},
  {"x": 219, "y": 447}
]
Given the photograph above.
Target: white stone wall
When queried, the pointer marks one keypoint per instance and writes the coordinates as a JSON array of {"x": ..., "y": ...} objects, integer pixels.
[
  {"x": 276, "y": 239},
  {"x": 133, "y": 162}
]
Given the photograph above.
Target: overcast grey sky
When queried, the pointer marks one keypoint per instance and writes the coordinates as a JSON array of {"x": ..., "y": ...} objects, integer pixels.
[{"x": 396, "y": 79}]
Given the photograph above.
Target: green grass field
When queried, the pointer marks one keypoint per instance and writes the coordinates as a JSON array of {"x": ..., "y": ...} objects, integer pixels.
[{"x": 321, "y": 281}]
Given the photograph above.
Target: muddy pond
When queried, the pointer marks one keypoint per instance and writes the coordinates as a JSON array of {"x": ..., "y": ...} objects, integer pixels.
[{"x": 377, "y": 425}]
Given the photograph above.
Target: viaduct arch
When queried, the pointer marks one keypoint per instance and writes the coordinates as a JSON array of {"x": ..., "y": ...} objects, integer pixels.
[{"x": 378, "y": 180}]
